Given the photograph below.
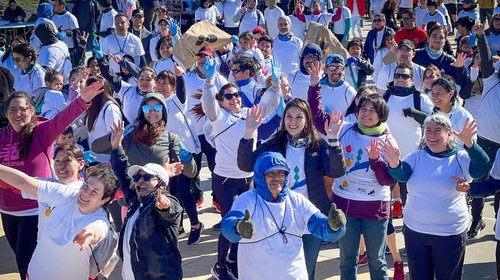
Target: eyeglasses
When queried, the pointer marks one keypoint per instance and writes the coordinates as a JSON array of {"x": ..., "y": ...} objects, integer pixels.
[
  {"x": 19, "y": 59},
  {"x": 145, "y": 177},
  {"x": 496, "y": 19},
  {"x": 402, "y": 76},
  {"x": 147, "y": 108},
  {"x": 236, "y": 71},
  {"x": 229, "y": 96},
  {"x": 406, "y": 18},
  {"x": 336, "y": 68},
  {"x": 15, "y": 110},
  {"x": 378, "y": 20},
  {"x": 311, "y": 57}
]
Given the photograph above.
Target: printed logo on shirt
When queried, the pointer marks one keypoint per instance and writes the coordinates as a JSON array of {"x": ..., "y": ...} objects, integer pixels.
[
  {"x": 351, "y": 157},
  {"x": 9, "y": 155}
]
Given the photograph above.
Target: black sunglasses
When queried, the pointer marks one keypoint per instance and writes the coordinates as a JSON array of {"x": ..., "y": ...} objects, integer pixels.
[
  {"x": 402, "y": 76},
  {"x": 236, "y": 71},
  {"x": 230, "y": 96},
  {"x": 145, "y": 177}
]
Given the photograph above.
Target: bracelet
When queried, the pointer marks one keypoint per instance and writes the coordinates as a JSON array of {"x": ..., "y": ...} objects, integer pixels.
[{"x": 333, "y": 140}]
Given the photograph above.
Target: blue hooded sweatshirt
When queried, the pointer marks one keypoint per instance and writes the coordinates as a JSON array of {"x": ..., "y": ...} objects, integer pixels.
[{"x": 265, "y": 163}]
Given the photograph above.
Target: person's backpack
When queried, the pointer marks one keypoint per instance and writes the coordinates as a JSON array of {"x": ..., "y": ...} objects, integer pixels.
[
  {"x": 37, "y": 99},
  {"x": 102, "y": 254}
]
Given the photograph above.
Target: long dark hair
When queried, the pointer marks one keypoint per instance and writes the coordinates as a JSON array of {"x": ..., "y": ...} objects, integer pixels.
[
  {"x": 145, "y": 132},
  {"x": 9, "y": 50},
  {"x": 98, "y": 102},
  {"x": 26, "y": 50},
  {"x": 309, "y": 130},
  {"x": 26, "y": 133}
]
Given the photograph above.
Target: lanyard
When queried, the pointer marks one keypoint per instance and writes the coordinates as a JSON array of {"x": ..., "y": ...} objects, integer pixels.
[{"x": 118, "y": 42}]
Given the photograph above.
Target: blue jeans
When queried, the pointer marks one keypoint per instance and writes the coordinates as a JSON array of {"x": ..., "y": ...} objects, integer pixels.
[
  {"x": 311, "y": 245},
  {"x": 375, "y": 234},
  {"x": 432, "y": 255}
]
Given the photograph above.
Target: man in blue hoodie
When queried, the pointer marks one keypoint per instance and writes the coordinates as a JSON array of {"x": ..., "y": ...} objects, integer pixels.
[{"x": 268, "y": 223}]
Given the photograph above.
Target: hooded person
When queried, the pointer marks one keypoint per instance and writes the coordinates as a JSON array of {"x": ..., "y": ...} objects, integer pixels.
[
  {"x": 45, "y": 11},
  {"x": 269, "y": 221},
  {"x": 299, "y": 80},
  {"x": 53, "y": 52}
]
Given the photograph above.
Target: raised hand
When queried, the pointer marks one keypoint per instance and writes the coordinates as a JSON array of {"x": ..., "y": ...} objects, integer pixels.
[
  {"x": 178, "y": 71},
  {"x": 84, "y": 37},
  {"x": 276, "y": 72},
  {"x": 173, "y": 169},
  {"x": 91, "y": 91},
  {"x": 479, "y": 29},
  {"x": 253, "y": 120},
  {"x": 336, "y": 218},
  {"x": 334, "y": 125},
  {"x": 117, "y": 58},
  {"x": 84, "y": 238},
  {"x": 209, "y": 68},
  {"x": 461, "y": 185},
  {"x": 314, "y": 72},
  {"x": 235, "y": 39},
  {"x": 174, "y": 29},
  {"x": 246, "y": 227},
  {"x": 372, "y": 151},
  {"x": 117, "y": 130},
  {"x": 460, "y": 62},
  {"x": 185, "y": 155},
  {"x": 390, "y": 152},
  {"x": 162, "y": 201},
  {"x": 467, "y": 133}
]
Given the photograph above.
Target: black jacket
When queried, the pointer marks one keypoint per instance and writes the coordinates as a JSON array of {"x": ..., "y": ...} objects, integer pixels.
[
  {"x": 365, "y": 68},
  {"x": 325, "y": 161},
  {"x": 90, "y": 9},
  {"x": 153, "y": 244}
]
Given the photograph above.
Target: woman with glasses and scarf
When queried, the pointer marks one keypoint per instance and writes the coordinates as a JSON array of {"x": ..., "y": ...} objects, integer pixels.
[
  {"x": 26, "y": 144},
  {"x": 31, "y": 75},
  {"x": 224, "y": 128}
]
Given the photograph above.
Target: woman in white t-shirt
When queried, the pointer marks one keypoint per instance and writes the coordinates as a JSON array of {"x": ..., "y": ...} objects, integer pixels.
[
  {"x": 436, "y": 217},
  {"x": 31, "y": 74},
  {"x": 103, "y": 112},
  {"x": 387, "y": 43},
  {"x": 207, "y": 11}
]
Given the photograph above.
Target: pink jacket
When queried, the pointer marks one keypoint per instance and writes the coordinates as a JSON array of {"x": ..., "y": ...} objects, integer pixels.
[{"x": 37, "y": 164}]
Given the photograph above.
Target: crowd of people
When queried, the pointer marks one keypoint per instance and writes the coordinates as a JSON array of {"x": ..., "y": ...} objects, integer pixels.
[{"x": 104, "y": 129}]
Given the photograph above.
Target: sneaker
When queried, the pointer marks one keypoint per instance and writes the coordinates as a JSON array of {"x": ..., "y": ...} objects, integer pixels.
[
  {"x": 217, "y": 207},
  {"x": 199, "y": 202},
  {"x": 220, "y": 273},
  {"x": 475, "y": 229},
  {"x": 195, "y": 235},
  {"x": 182, "y": 232},
  {"x": 399, "y": 271},
  {"x": 363, "y": 260},
  {"x": 216, "y": 227},
  {"x": 397, "y": 209},
  {"x": 232, "y": 268}
]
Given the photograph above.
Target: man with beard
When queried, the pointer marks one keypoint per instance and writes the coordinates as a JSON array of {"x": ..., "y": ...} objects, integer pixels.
[
  {"x": 122, "y": 42},
  {"x": 336, "y": 94},
  {"x": 404, "y": 54},
  {"x": 148, "y": 241},
  {"x": 266, "y": 45},
  {"x": 287, "y": 47},
  {"x": 410, "y": 31},
  {"x": 299, "y": 79}
]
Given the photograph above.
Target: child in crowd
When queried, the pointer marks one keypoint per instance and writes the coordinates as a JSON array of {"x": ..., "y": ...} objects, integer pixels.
[
  {"x": 358, "y": 68},
  {"x": 433, "y": 14},
  {"x": 246, "y": 47},
  {"x": 420, "y": 12},
  {"x": 50, "y": 100}
]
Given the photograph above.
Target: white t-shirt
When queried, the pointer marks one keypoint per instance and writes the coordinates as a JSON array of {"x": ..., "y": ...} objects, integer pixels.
[
  {"x": 438, "y": 16},
  {"x": 488, "y": 117},
  {"x": 64, "y": 22},
  {"x": 386, "y": 75},
  {"x": 458, "y": 116},
  {"x": 209, "y": 14},
  {"x": 420, "y": 15},
  {"x": 359, "y": 181},
  {"x": 337, "y": 98},
  {"x": 296, "y": 162},
  {"x": 250, "y": 20},
  {"x": 323, "y": 18},
  {"x": 229, "y": 10},
  {"x": 407, "y": 4},
  {"x": 406, "y": 130},
  {"x": 434, "y": 206},
  {"x": 376, "y": 6},
  {"x": 121, "y": 45},
  {"x": 299, "y": 83},
  {"x": 56, "y": 256},
  {"x": 272, "y": 17},
  {"x": 108, "y": 20},
  {"x": 266, "y": 249},
  {"x": 298, "y": 28},
  {"x": 179, "y": 124},
  {"x": 108, "y": 115},
  {"x": 288, "y": 53},
  {"x": 164, "y": 64},
  {"x": 378, "y": 62},
  {"x": 56, "y": 56},
  {"x": 127, "y": 272},
  {"x": 339, "y": 26}
]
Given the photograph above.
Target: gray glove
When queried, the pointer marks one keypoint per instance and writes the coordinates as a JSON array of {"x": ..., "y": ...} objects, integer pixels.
[
  {"x": 246, "y": 227},
  {"x": 336, "y": 218}
]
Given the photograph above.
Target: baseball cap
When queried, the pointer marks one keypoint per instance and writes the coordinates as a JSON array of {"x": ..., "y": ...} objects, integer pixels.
[
  {"x": 406, "y": 43},
  {"x": 138, "y": 12},
  {"x": 206, "y": 50},
  {"x": 150, "y": 168},
  {"x": 334, "y": 58},
  {"x": 277, "y": 167}
]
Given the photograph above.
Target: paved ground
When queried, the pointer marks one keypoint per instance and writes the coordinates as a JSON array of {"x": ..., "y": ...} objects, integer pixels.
[{"x": 198, "y": 259}]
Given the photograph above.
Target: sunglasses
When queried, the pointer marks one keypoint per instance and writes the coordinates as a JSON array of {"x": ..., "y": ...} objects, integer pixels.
[
  {"x": 336, "y": 68},
  {"x": 377, "y": 20},
  {"x": 236, "y": 71},
  {"x": 402, "y": 76},
  {"x": 147, "y": 108},
  {"x": 496, "y": 19},
  {"x": 229, "y": 96},
  {"x": 145, "y": 177}
]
